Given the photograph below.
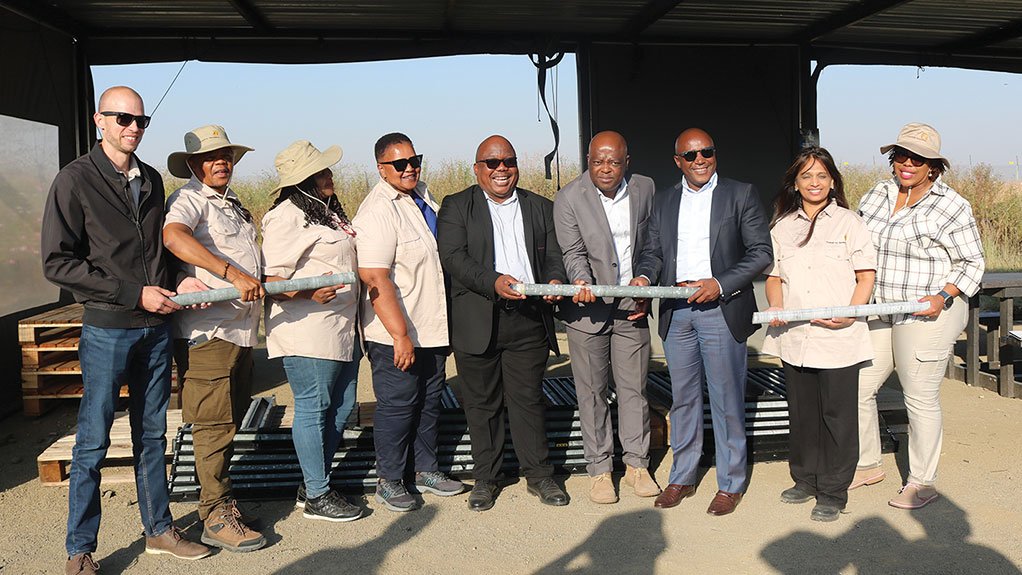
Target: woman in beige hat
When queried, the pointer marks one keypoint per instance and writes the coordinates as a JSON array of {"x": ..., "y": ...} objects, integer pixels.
[
  {"x": 306, "y": 233},
  {"x": 928, "y": 249}
]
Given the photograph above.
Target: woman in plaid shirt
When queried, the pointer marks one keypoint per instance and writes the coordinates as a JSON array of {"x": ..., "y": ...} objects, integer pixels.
[{"x": 928, "y": 249}]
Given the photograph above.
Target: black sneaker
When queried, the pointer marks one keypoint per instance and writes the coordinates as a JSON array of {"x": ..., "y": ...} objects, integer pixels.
[
  {"x": 331, "y": 507},
  {"x": 302, "y": 498}
]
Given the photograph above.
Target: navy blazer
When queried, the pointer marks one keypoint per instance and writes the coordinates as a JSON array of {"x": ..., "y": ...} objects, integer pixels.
[
  {"x": 740, "y": 250},
  {"x": 465, "y": 242}
]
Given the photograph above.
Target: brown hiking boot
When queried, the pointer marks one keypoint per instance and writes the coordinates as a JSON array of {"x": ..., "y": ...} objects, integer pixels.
[
  {"x": 171, "y": 543},
  {"x": 223, "y": 528},
  {"x": 81, "y": 564}
]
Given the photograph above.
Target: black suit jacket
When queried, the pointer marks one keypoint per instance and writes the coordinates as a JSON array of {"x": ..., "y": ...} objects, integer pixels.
[
  {"x": 740, "y": 250},
  {"x": 465, "y": 242}
]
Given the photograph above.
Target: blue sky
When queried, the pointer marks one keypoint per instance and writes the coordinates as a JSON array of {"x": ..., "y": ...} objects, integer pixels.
[{"x": 448, "y": 105}]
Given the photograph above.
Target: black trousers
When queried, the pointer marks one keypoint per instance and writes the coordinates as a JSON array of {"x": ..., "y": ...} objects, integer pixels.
[
  {"x": 824, "y": 427},
  {"x": 509, "y": 373}
]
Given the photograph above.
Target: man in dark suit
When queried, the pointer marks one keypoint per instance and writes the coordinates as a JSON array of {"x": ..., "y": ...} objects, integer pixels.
[
  {"x": 709, "y": 233},
  {"x": 490, "y": 237},
  {"x": 601, "y": 219}
]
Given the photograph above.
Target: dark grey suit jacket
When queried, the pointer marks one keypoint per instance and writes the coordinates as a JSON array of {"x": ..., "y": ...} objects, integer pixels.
[
  {"x": 740, "y": 250},
  {"x": 583, "y": 233},
  {"x": 465, "y": 242}
]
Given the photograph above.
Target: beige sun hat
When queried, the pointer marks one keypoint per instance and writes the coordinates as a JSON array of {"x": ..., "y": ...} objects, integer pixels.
[
  {"x": 200, "y": 141},
  {"x": 920, "y": 139},
  {"x": 300, "y": 160}
]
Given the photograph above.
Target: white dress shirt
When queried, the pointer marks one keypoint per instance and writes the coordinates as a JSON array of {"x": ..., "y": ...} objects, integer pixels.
[
  {"x": 694, "y": 231},
  {"x": 618, "y": 210},
  {"x": 510, "y": 256}
]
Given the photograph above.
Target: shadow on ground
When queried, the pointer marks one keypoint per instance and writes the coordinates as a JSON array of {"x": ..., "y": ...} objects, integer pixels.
[
  {"x": 628, "y": 543},
  {"x": 873, "y": 545}
]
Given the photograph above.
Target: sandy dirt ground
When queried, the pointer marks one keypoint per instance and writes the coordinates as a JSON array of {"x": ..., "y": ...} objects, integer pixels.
[{"x": 973, "y": 528}]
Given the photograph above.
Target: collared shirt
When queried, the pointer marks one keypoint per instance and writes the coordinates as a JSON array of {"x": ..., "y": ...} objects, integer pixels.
[
  {"x": 694, "y": 231},
  {"x": 134, "y": 176},
  {"x": 293, "y": 248},
  {"x": 510, "y": 255},
  {"x": 392, "y": 234},
  {"x": 820, "y": 274},
  {"x": 619, "y": 216},
  {"x": 219, "y": 225},
  {"x": 924, "y": 246}
]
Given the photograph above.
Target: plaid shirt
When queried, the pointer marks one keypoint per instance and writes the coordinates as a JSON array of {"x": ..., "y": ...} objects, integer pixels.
[{"x": 924, "y": 246}]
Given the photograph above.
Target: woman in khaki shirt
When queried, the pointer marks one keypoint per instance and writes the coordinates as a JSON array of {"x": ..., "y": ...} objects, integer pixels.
[
  {"x": 306, "y": 233},
  {"x": 823, "y": 256}
]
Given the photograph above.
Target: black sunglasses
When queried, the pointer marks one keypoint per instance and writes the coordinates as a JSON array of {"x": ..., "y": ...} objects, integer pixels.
[
  {"x": 402, "y": 164},
  {"x": 690, "y": 156},
  {"x": 494, "y": 163},
  {"x": 125, "y": 119},
  {"x": 903, "y": 156}
]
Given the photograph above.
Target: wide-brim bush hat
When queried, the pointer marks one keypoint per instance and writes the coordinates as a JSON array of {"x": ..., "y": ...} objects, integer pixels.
[
  {"x": 920, "y": 139},
  {"x": 300, "y": 160},
  {"x": 200, "y": 141}
]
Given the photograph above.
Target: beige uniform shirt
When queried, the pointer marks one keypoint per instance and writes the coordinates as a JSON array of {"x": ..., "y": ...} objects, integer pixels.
[
  {"x": 820, "y": 274},
  {"x": 392, "y": 234},
  {"x": 294, "y": 249},
  {"x": 220, "y": 227}
]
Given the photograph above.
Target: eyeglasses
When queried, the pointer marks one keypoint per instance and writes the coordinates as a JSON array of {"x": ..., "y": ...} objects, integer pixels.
[
  {"x": 494, "y": 163},
  {"x": 125, "y": 119},
  {"x": 402, "y": 164},
  {"x": 690, "y": 156},
  {"x": 906, "y": 157}
]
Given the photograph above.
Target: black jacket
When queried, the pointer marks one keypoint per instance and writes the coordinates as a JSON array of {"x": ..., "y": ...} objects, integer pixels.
[
  {"x": 99, "y": 246},
  {"x": 465, "y": 241}
]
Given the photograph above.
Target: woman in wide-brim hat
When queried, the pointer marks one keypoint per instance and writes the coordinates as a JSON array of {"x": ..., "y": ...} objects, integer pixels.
[
  {"x": 928, "y": 249},
  {"x": 306, "y": 233}
]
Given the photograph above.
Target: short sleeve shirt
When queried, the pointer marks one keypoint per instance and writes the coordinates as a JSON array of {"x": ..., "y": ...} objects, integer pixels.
[
  {"x": 293, "y": 248},
  {"x": 219, "y": 225},
  {"x": 820, "y": 274},
  {"x": 392, "y": 234}
]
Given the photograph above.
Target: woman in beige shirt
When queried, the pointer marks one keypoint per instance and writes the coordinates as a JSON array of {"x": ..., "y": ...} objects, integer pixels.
[
  {"x": 823, "y": 257},
  {"x": 306, "y": 233}
]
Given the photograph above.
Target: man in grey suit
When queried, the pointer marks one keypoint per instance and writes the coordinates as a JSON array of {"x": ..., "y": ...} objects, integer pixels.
[
  {"x": 710, "y": 233},
  {"x": 601, "y": 218}
]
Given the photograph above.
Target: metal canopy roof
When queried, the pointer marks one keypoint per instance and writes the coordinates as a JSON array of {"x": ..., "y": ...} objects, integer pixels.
[{"x": 985, "y": 34}]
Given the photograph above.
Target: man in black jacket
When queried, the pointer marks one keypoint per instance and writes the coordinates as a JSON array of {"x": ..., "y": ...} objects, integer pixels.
[
  {"x": 101, "y": 240},
  {"x": 490, "y": 237}
]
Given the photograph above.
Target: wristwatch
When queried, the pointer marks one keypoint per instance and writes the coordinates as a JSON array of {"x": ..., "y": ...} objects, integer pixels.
[{"x": 948, "y": 298}]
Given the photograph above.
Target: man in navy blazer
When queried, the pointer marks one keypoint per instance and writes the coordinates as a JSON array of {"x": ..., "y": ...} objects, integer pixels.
[{"x": 720, "y": 246}]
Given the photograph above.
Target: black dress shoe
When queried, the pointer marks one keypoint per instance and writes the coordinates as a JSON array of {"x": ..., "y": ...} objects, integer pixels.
[
  {"x": 483, "y": 495},
  {"x": 548, "y": 491}
]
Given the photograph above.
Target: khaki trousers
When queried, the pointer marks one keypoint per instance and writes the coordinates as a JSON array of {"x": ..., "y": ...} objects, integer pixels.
[
  {"x": 919, "y": 353},
  {"x": 215, "y": 394}
]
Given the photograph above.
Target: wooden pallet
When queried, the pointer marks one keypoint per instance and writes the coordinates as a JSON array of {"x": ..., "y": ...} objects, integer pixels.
[
  {"x": 35, "y": 329},
  {"x": 54, "y": 463}
]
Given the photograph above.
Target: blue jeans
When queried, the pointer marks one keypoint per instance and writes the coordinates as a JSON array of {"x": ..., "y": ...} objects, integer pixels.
[
  {"x": 111, "y": 357},
  {"x": 324, "y": 393}
]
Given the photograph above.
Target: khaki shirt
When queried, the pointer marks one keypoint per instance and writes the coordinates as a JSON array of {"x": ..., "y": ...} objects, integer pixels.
[
  {"x": 294, "y": 249},
  {"x": 392, "y": 234},
  {"x": 220, "y": 227},
  {"x": 820, "y": 274}
]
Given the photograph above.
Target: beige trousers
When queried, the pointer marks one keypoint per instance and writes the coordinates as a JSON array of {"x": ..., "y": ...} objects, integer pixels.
[{"x": 919, "y": 353}]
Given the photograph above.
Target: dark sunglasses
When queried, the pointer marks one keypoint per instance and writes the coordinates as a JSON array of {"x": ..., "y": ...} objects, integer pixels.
[
  {"x": 402, "y": 164},
  {"x": 906, "y": 157},
  {"x": 690, "y": 156},
  {"x": 494, "y": 163},
  {"x": 125, "y": 119}
]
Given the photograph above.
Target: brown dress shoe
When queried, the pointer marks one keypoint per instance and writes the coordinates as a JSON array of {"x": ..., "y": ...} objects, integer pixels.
[
  {"x": 724, "y": 503},
  {"x": 673, "y": 495}
]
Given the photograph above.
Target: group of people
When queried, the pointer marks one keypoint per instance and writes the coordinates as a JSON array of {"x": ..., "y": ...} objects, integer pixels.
[{"x": 434, "y": 279}]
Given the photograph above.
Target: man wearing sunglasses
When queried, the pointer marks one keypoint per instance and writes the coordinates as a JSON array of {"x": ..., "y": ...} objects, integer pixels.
[
  {"x": 601, "y": 220},
  {"x": 710, "y": 233},
  {"x": 405, "y": 323},
  {"x": 101, "y": 241},
  {"x": 492, "y": 236}
]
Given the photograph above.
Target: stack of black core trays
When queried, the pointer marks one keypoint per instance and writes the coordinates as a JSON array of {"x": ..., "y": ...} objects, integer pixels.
[{"x": 265, "y": 464}]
